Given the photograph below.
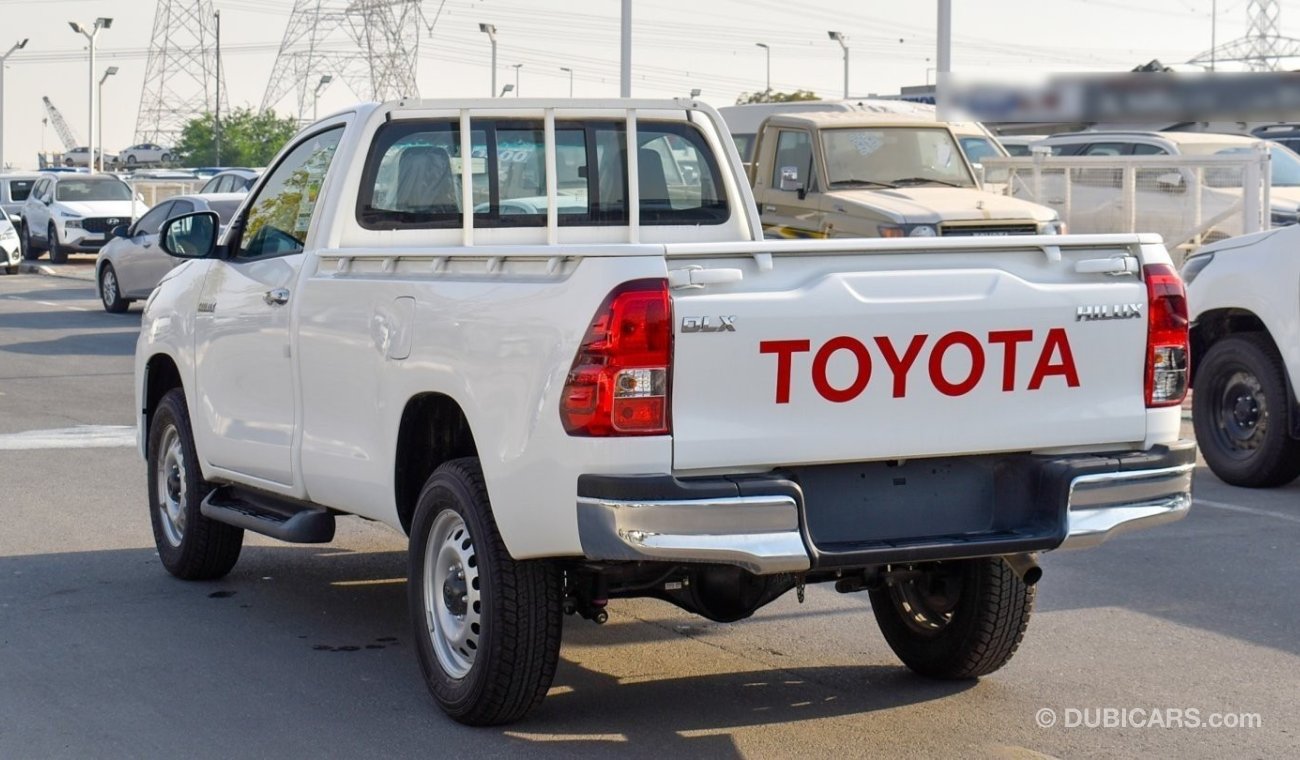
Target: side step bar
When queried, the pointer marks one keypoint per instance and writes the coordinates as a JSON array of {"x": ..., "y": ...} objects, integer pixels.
[{"x": 274, "y": 516}]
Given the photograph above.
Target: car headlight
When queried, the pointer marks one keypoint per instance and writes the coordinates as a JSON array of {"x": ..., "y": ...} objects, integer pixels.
[
  {"x": 1056, "y": 227},
  {"x": 8, "y": 233},
  {"x": 72, "y": 224},
  {"x": 906, "y": 230},
  {"x": 1194, "y": 265}
]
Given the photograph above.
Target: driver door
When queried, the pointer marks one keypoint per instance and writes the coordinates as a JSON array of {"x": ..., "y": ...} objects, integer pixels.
[
  {"x": 245, "y": 378},
  {"x": 790, "y": 213}
]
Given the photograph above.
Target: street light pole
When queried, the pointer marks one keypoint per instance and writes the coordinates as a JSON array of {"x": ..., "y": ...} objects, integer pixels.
[
  {"x": 518, "y": 66},
  {"x": 3, "y": 60},
  {"x": 840, "y": 38},
  {"x": 315, "y": 98},
  {"x": 562, "y": 68},
  {"x": 491, "y": 31},
  {"x": 110, "y": 71},
  {"x": 767, "y": 50},
  {"x": 101, "y": 23},
  {"x": 217, "y": 125},
  {"x": 944, "y": 59},
  {"x": 625, "y": 58}
]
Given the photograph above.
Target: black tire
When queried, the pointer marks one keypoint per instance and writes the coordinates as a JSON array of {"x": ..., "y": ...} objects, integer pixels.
[
  {"x": 513, "y": 639},
  {"x": 1241, "y": 413},
  {"x": 166, "y": 158},
  {"x": 202, "y": 549},
  {"x": 130, "y": 160},
  {"x": 110, "y": 291},
  {"x": 30, "y": 251},
  {"x": 11, "y": 269},
  {"x": 970, "y": 616},
  {"x": 58, "y": 254}
]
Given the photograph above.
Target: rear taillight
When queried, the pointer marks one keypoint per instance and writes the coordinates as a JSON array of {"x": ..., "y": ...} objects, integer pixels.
[
  {"x": 1168, "y": 349},
  {"x": 619, "y": 382}
]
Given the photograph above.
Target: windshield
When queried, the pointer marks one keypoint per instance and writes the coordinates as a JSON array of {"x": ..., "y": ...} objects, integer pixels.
[
  {"x": 978, "y": 148},
  {"x": 894, "y": 156},
  {"x": 1285, "y": 164},
  {"x": 92, "y": 190},
  {"x": 225, "y": 209}
]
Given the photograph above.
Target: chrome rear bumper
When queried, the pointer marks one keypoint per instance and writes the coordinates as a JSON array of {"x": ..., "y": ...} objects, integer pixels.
[
  {"x": 761, "y": 523},
  {"x": 1107, "y": 504}
]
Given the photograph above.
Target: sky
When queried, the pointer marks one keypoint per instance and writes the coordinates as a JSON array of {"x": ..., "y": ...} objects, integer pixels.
[{"x": 678, "y": 45}]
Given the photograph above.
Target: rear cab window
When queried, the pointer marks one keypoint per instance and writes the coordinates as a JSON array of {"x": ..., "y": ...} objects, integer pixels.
[
  {"x": 19, "y": 189},
  {"x": 412, "y": 177}
]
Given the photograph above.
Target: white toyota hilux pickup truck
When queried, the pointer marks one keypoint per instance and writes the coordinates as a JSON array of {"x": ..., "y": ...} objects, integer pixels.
[{"x": 547, "y": 341}]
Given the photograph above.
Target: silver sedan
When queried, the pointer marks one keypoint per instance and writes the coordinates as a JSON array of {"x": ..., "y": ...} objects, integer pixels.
[{"x": 131, "y": 263}]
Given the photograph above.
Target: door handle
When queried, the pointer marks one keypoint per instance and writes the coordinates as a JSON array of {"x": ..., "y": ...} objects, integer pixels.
[{"x": 276, "y": 297}]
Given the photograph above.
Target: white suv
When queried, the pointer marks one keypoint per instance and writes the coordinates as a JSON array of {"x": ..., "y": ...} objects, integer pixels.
[{"x": 75, "y": 213}]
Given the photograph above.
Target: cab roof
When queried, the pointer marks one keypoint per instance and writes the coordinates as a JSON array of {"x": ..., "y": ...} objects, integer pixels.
[{"x": 837, "y": 119}]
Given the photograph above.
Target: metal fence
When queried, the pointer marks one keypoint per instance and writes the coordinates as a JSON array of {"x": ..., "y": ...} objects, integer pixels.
[
  {"x": 1188, "y": 200},
  {"x": 154, "y": 191}
]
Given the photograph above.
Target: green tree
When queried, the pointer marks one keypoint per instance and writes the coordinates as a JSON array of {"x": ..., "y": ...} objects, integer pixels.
[
  {"x": 248, "y": 138},
  {"x": 774, "y": 96}
]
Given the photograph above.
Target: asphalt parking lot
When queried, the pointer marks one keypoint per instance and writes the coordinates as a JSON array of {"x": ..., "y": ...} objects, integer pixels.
[{"x": 305, "y": 651}]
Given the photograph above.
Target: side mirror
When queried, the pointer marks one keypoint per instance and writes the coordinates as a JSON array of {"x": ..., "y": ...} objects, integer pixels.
[
  {"x": 120, "y": 231},
  {"x": 191, "y": 236},
  {"x": 1171, "y": 183},
  {"x": 790, "y": 178}
]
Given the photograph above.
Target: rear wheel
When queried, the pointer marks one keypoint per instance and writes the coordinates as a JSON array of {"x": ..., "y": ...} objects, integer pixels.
[
  {"x": 487, "y": 627},
  {"x": 190, "y": 545},
  {"x": 130, "y": 160},
  {"x": 110, "y": 292},
  {"x": 58, "y": 254},
  {"x": 954, "y": 620},
  {"x": 1241, "y": 413}
]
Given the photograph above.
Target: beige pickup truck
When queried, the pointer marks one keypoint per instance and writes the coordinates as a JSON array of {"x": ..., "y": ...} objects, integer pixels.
[{"x": 854, "y": 174}]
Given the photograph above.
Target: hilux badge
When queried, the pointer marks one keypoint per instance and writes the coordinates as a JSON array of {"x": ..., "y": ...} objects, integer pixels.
[{"x": 1108, "y": 311}]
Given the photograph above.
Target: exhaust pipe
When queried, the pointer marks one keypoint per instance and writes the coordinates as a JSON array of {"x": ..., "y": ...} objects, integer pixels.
[{"x": 1025, "y": 566}]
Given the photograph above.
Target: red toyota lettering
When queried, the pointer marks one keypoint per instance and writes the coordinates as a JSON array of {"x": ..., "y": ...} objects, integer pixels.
[
  {"x": 1057, "y": 343},
  {"x": 1009, "y": 339},
  {"x": 942, "y": 383},
  {"x": 823, "y": 385},
  {"x": 784, "y": 350},
  {"x": 900, "y": 366}
]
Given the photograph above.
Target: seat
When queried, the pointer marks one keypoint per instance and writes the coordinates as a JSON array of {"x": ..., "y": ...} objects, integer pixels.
[
  {"x": 651, "y": 180},
  {"x": 424, "y": 182}
]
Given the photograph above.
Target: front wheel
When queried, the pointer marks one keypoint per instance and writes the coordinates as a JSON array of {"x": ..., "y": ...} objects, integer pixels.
[
  {"x": 58, "y": 254},
  {"x": 954, "y": 620},
  {"x": 110, "y": 291},
  {"x": 30, "y": 251},
  {"x": 130, "y": 160},
  {"x": 487, "y": 627},
  {"x": 191, "y": 546},
  {"x": 1240, "y": 412}
]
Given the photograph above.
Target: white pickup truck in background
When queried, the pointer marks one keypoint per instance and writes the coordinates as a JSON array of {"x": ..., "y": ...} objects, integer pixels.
[
  {"x": 547, "y": 341},
  {"x": 1244, "y": 295}
]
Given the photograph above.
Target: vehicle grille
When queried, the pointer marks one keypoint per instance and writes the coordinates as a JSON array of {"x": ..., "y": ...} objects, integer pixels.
[
  {"x": 102, "y": 224},
  {"x": 980, "y": 230}
]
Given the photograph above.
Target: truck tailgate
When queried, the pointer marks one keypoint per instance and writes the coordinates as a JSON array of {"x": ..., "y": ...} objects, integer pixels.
[{"x": 837, "y": 357}]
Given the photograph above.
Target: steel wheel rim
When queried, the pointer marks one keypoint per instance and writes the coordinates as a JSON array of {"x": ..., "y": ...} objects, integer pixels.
[
  {"x": 1240, "y": 414},
  {"x": 108, "y": 289},
  {"x": 928, "y": 601},
  {"x": 452, "y": 600},
  {"x": 171, "y": 486}
]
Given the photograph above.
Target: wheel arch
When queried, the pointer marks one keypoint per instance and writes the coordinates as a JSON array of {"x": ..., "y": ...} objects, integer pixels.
[
  {"x": 161, "y": 374},
  {"x": 1216, "y": 324},
  {"x": 433, "y": 430}
]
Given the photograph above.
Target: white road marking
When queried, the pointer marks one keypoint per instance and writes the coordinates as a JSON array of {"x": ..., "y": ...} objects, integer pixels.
[
  {"x": 1248, "y": 510},
  {"x": 79, "y": 437},
  {"x": 47, "y": 303}
]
